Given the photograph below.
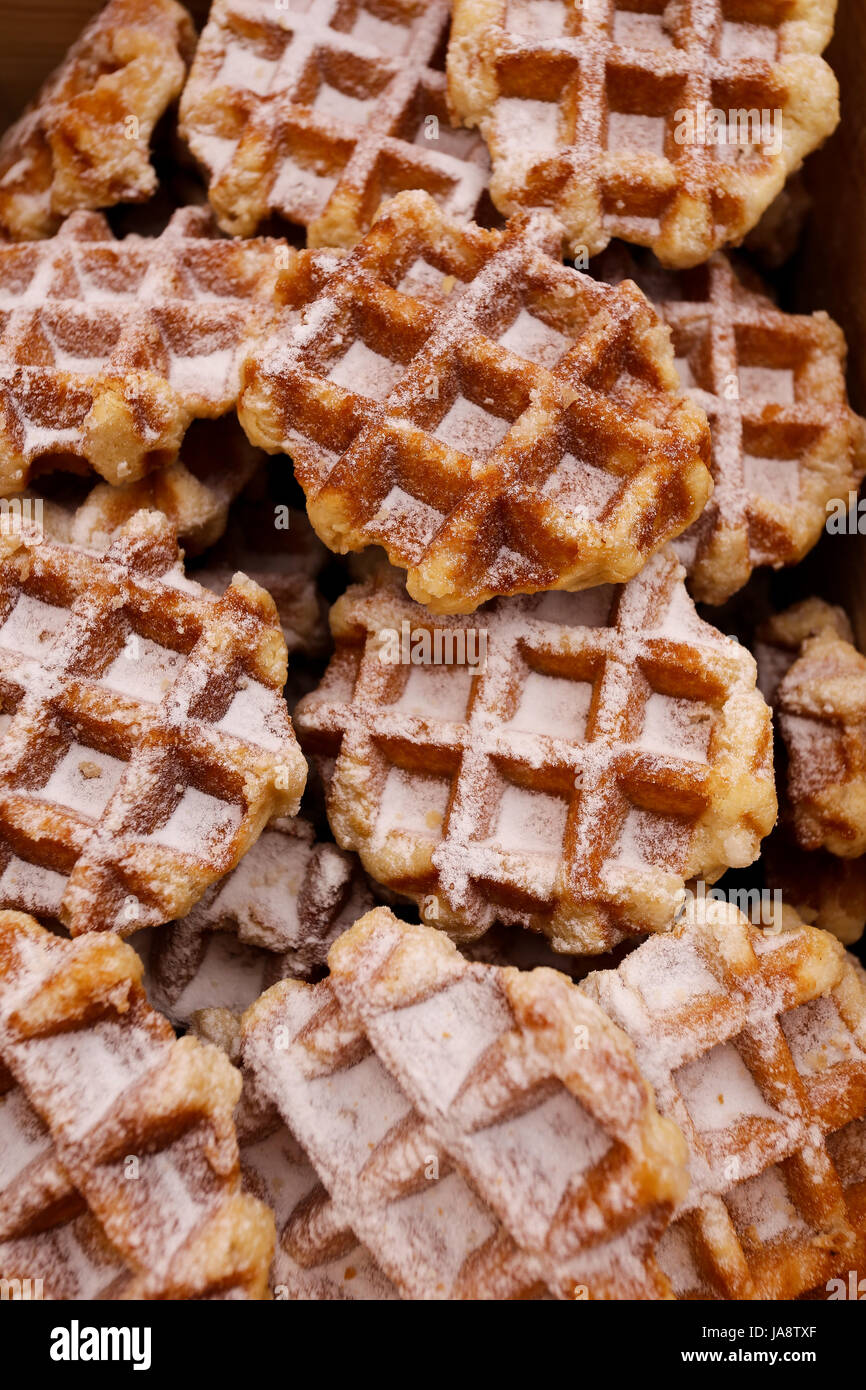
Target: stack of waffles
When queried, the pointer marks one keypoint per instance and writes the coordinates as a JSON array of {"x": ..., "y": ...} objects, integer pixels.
[{"x": 430, "y": 863}]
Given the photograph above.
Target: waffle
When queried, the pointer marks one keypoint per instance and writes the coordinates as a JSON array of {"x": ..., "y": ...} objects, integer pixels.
[
  {"x": 275, "y": 915},
  {"x": 411, "y": 1066},
  {"x": 194, "y": 493},
  {"x": 755, "y": 1044},
  {"x": 109, "y": 349},
  {"x": 321, "y": 111},
  {"x": 613, "y": 747},
  {"x": 146, "y": 742},
  {"x": 317, "y": 1256},
  {"x": 83, "y": 143},
  {"x": 822, "y": 720},
  {"x": 276, "y": 546},
  {"x": 779, "y": 640},
  {"x": 824, "y": 890},
  {"x": 606, "y": 111},
  {"x": 497, "y": 422},
  {"x": 120, "y": 1174},
  {"x": 785, "y": 441}
]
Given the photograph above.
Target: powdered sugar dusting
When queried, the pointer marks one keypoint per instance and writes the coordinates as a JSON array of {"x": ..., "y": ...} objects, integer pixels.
[
  {"x": 471, "y": 429},
  {"x": 719, "y": 1090},
  {"x": 529, "y": 822},
  {"x": 198, "y": 820},
  {"x": 365, "y": 371},
  {"x": 413, "y": 802},
  {"x": 84, "y": 780},
  {"x": 553, "y": 706},
  {"x": 530, "y": 337}
]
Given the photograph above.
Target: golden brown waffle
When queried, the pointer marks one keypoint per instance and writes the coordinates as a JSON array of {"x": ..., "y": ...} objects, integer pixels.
[
  {"x": 110, "y": 349},
  {"x": 319, "y": 111},
  {"x": 120, "y": 1173},
  {"x": 276, "y": 546},
  {"x": 317, "y": 1256},
  {"x": 84, "y": 142},
  {"x": 779, "y": 640},
  {"x": 755, "y": 1044},
  {"x": 605, "y": 111},
  {"x": 146, "y": 742},
  {"x": 194, "y": 493},
  {"x": 275, "y": 915},
  {"x": 785, "y": 440},
  {"x": 411, "y": 1066},
  {"x": 613, "y": 747},
  {"x": 822, "y": 720},
  {"x": 498, "y": 422},
  {"x": 825, "y": 891},
  {"x": 432, "y": 1235}
]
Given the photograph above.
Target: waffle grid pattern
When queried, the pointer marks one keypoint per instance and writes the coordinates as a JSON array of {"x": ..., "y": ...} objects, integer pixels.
[
  {"x": 102, "y": 1083},
  {"x": 109, "y": 349},
  {"x": 613, "y": 747},
  {"x": 496, "y": 421},
  {"x": 432, "y": 1236},
  {"x": 390, "y": 1168},
  {"x": 582, "y": 106},
  {"x": 146, "y": 741},
  {"x": 275, "y": 915},
  {"x": 755, "y": 1044},
  {"x": 785, "y": 440},
  {"x": 322, "y": 112}
]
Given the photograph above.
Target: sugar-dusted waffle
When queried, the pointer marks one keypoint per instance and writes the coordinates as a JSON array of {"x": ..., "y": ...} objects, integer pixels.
[
  {"x": 821, "y": 712},
  {"x": 110, "y": 349},
  {"x": 754, "y": 1042},
  {"x": 412, "y": 1066},
  {"x": 84, "y": 141},
  {"x": 276, "y": 914},
  {"x": 609, "y": 747},
  {"x": 319, "y": 111},
  {"x": 276, "y": 546},
  {"x": 195, "y": 493},
  {"x": 145, "y": 740},
  {"x": 785, "y": 440},
  {"x": 674, "y": 126},
  {"x": 778, "y": 641},
  {"x": 120, "y": 1161},
  {"x": 496, "y": 421}
]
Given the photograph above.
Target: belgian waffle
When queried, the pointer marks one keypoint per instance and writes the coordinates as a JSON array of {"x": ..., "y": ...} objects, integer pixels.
[
  {"x": 411, "y": 1065},
  {"x": 194, "y": 493},
  {"x": 606, "y": 111},
  {"x": 779, "y": 640},
  {"x": 317, "y": 1256},
  {"x": 612, "y": 747},
  {"x": 274, "y": 915},
  {"x": 785, "y": 440},
  {"x": 120, "y": 1174},
  {"x": 322, "y": 110},
  {"x": 822, "y": 720},
  {"x": 109, "y": 349},
  {"x": 83, "y": 143},
  {"x": 496, "y": 421},
  {"x": 755, "y": 1044},
  {"x": 276, "y": 546},
  {"x": 146, "y": 741},
  {"x": 824, "y": 890}
]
